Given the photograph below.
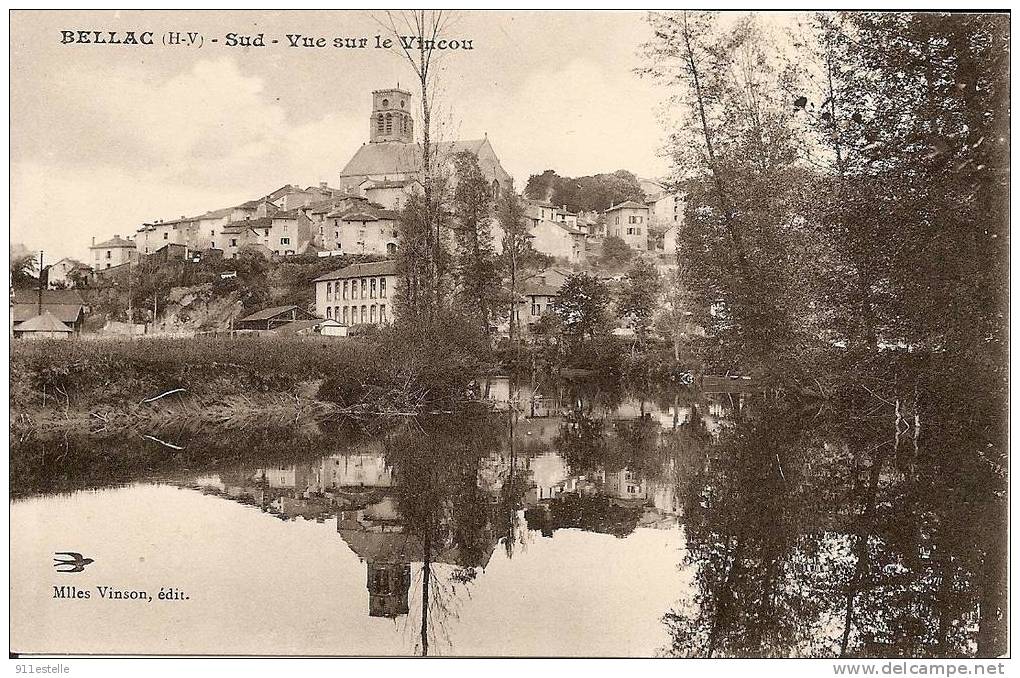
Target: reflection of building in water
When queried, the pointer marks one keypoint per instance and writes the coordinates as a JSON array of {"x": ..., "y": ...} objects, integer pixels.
[
  {"x": 388, "y": 585},
  {"x": 377, "y": 534},
  {"x": 625, "y": 485},
  {"x": 292, "y": 476},
  {"x": 364, "y": 468}
]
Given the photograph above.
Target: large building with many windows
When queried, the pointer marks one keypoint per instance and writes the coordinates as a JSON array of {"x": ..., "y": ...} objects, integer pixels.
[{"x": 359, "y": 294}]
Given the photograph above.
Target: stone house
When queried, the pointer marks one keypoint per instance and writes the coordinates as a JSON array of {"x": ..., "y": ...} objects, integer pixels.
[
  {"x": 366, "y": 229},
  {"x": 391, "y": 194},
  {"x": 112, "y": 252},
  {"x": 59, "y": 275},
  {"x": 629, "y": 222},
  {"x": 556, "y": 232}
]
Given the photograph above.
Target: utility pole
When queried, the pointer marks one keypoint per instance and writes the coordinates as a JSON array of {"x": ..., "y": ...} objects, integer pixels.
[
  {"x": 130, "y": 310},
  {"x": 40, "y": 280}
]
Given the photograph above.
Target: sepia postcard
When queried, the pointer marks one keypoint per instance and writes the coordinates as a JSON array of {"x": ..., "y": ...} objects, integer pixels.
[{"x": 639, "y": 334}]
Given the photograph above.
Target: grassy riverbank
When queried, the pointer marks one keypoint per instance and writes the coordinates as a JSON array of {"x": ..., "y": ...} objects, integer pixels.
[{"x": 90, "y": 383}]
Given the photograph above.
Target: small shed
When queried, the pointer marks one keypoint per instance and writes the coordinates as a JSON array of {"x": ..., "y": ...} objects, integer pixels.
[
  {"x": 45, "y": 326},
  {"x": 332, "y": 328},
  {"x": 271, "y": 318}
]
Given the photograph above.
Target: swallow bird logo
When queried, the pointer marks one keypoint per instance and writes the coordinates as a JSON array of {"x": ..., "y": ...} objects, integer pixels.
[{"x": 69, "y": 561}]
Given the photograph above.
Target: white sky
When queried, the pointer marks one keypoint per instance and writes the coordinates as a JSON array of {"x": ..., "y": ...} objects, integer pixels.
[{"x": 104, "y": 138}]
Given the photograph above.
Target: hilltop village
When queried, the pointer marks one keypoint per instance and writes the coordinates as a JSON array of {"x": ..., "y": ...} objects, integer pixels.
[{"x": 326, "y": 253}]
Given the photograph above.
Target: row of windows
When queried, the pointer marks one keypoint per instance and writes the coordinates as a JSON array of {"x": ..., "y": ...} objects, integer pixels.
[
  {"x": 631, "y": 220},
  {"x": 369, "y": 288},
  {"x": 353, "y": 315},
  {"x": 635, "y": 230}
]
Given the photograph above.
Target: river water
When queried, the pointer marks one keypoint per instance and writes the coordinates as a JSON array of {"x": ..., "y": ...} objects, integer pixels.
[{"x": 584, "y": 521}]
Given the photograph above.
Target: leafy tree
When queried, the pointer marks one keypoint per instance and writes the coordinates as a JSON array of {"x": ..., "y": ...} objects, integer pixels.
[
  {"x": 595, "y": 193},
  {"x": 417, "y": 261},
  {"x": 23, "y": 265},
  {"x": 616, "y": 253},
  {"x": 475, "y": 261},
  {"x": 752, "y": 252},
  {"x": 639, "y": 298},
  {"x": 583, "y": 307},
  {"x": 78, "y": 278},
  {"x": 516, "y": 250}
]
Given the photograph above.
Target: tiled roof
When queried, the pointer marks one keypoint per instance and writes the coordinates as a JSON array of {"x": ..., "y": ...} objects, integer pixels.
[
  {"x": 535, "y": 288},
  {"x": 370, "y": 214},
  {"x": 115, "y": 241},
  {"x": 325, "y": 206},
  {"x": 289, "y": 214},
  {"x": 239, "y": 226},
  {"x": 65, "y": 313},
  {"x": 214, "y": 214},
  {"x": 387, "y": 267},
  {"x": 627, "y": 204},
  {"x": 25, "y": 296},
  {"x": 42, "y": 323}
]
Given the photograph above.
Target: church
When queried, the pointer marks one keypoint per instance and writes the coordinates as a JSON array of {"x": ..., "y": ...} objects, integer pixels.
[{"x": 392, "y": 156}]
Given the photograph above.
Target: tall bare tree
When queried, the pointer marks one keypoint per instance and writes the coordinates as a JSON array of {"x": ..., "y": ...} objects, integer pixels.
[{"x": 415, "y": 33}]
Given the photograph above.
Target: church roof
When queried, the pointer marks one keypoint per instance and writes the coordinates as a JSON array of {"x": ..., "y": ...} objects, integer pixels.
[
  {"x": 395, "y": 157},
  {"x": 392, "y": 183}
]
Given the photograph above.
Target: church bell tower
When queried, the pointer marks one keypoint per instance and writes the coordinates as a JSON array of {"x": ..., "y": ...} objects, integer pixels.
[{"x": 391, "y": 116}]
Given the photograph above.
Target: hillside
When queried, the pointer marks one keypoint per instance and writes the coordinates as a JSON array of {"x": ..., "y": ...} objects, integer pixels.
[{"x": 185, "y": 296}]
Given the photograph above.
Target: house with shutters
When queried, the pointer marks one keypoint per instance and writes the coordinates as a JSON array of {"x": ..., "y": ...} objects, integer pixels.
[{"x": 629, "y": 222}]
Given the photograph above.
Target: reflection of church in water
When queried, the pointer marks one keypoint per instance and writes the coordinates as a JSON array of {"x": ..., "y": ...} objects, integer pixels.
[{"x": 361, "y": 491}]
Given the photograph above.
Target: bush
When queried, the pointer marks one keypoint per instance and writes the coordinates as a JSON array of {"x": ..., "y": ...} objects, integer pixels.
[{"x": 409, "y": 368}]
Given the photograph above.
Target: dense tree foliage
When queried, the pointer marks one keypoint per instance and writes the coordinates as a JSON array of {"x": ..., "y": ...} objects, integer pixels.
[
  {"x": 847, "y": 190},
  {"x": 478, "y": 285},
  {"x": 846, "y": 236},
  {"x": 583, "y": 307},
  {"x": 638, "y": 298},
  {"x": 595, "y": 193}
]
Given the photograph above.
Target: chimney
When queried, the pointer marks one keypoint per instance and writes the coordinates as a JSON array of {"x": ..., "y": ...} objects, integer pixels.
[
  {"x": 116, "y": 235},
  {"x": 322, "y": 184},
  {"x": 93, "y": 241}
]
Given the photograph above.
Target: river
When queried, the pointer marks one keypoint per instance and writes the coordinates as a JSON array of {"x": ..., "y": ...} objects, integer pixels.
[{"x": 583, "y": 521}]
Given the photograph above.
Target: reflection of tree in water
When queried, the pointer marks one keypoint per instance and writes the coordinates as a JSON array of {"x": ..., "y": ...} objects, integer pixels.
[
  {"x": 442, "y": 505},
  {"x": 826, "y": 539}
]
